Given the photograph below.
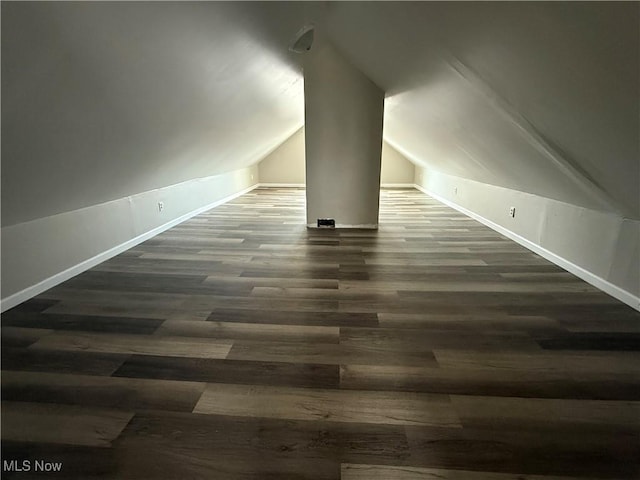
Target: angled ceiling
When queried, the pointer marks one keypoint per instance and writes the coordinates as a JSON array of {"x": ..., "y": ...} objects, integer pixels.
[
  {"x": 103, "y": 100},
  {"x": 541, "y": 97}
]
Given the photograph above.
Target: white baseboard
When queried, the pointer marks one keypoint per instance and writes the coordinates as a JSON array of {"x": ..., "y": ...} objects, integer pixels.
[
  {"x": 589, "y": 277},
  {"x": 33, "y": 290},
  {"x": 303, "y": 185},
  {"x": 363, "y": 226},
  {"x": 397, "y": 185},
  {"x": 282, "y": 185}
]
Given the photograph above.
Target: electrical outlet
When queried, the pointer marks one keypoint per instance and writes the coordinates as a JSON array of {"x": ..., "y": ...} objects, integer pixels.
[
  {"x": 512, "y": 212},
  {"x": 160, "y": 206},
  {"x": 455, "y": 190}
]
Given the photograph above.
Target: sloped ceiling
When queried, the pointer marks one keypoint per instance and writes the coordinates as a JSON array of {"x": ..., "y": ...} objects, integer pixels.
[
  {"x": 103, "y": 100},
  {"x": 541, "y": 97}
]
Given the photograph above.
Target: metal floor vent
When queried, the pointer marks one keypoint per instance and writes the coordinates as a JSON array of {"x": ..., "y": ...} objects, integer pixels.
[{"x": 326, "y": 222}]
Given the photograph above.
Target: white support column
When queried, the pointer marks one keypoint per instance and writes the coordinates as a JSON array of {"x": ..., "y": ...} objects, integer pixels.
[{"x": 343, "y": 140}]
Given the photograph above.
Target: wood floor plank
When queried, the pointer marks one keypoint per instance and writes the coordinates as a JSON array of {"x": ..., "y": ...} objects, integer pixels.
[
  {"x": 471, "y": 284},
  {"x": 295, "y": 292},
  {"x": 401, "y": 339},
  {"x": 528, "y": 277},
  {"x": 86, "y": 323},
  {"x": 249, "y": 331},
  {"x": 329, "y": 354},
  {"x": 470, "y": 322},
  {"x": 108, "y": 298},
  {"x": 268, "y": 271},
  {"x": 368, "y": 305},
  {"x": 135, "y": 344},
  {"x": 276, "y": 282},
  {"x": 583, "y": 454},
  {"x": 33, "y": 305},
  {"x": 385, "y": 408},
  {"x": 310, "y": 318},
  {"x": 261, "y": 304},
  {"x": 574, "y": 306},
  {"x": 79, "y": 362},
  {"x": 104, "y": 309},
  {"x": 100, "y": 391},
  {"x": 22, "y": 337},
  {"x": 478, "y": 298},
  {"x": 62, "y": 424},
  {"x": 483, "y": 382},
  {"x": 593, "y": 341},
  {"x": 547, "y": 414},
  {"x": 231, "y": 371},
  {"x": 622, "y": 323},
  {"x": 607, "y": 363},
  {"x": 426, "y": 262}
]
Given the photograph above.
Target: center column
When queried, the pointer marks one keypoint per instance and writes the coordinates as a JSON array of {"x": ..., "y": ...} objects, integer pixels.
[{"x": 343, "y": 140}]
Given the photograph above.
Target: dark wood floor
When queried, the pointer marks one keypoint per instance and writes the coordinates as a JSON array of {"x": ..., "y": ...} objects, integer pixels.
[{"x": 240, "y": 345}]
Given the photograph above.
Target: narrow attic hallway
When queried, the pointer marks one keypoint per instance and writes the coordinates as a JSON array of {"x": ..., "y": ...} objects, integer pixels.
[
  {"x": 170, "y": 308},
  {"x": 240, "y": 344}
]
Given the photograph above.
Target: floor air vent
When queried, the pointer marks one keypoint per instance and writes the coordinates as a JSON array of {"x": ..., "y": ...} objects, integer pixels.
[{"x": 326, "y": 222}]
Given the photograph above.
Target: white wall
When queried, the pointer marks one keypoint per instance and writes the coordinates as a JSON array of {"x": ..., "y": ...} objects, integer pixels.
[
  {"x": 285, "y": 165},
  {"x": 343, "y": 141},
  {"x": 39, "y": 254},
  {"x": 598, "y": 246},
  {"x": 396, "y": 169}
]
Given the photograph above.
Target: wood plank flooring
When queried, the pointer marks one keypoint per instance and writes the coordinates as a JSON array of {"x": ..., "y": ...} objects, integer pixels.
[{"x": 240, "y": 345}]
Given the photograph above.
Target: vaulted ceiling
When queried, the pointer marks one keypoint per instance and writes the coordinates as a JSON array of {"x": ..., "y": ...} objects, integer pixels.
[{"x": 104, "y": 100}]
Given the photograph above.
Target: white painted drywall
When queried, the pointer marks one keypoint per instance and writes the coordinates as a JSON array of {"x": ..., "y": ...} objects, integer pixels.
[
  {"x": 286, "y": 164},
  {"x": 600, "y": 247},
  {"x": 396, "y": 169},
  {"x": 39, "y": 254},
  {"x": 103, "y": 100},
  {"x": 343, "y": 140}
]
